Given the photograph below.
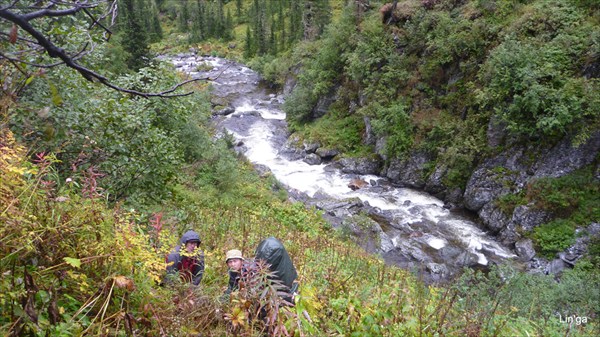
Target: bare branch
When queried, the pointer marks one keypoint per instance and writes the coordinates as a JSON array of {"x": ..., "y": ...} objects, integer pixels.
[
  {"x": 96, "y": 22},
  {"x": 51, "y": 13},
  {"x": 9, "y": 6}
]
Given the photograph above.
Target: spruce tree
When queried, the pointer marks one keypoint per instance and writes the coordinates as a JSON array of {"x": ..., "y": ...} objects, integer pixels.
[
  {"x": 135, "y": 40},
  {"x": 184, "y": 17},
  {"x": 296, "y": 31},
  {"x": 249, "y": 49}
]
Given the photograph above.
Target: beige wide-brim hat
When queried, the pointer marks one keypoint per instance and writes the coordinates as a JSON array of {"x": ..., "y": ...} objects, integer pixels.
[{"x": 233, "y": 254}]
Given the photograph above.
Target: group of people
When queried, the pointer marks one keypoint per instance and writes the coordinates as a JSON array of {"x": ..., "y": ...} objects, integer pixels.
[{"x": 186, "y": 261}]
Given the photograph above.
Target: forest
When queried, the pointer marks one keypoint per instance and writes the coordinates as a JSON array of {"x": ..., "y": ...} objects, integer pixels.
[{"x": 108, "y": 155}]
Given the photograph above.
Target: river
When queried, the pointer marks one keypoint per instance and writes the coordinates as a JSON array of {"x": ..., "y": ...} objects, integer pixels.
[{"x": 413, "y": 229}]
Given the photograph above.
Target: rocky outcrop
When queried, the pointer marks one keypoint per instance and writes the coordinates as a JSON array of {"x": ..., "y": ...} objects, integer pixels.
[
  {"x": 510, "y": 171},
  {"x": 361, "y": 166},
  {"x": 409, "y": 172},
  {"x": 312, "y": 159},
  {"x": 324, "y": 102},
  {"x": 565, "y": 158},
  {"x": 225, "y": 111},
  {"x": 326, "y": 154},
  {"x": 524, "y": 249}
]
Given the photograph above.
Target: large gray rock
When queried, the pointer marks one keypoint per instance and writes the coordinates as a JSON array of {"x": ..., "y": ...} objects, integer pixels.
[
  {"x": 503, "y": 174},
  {"x": 311, "y": 147},
  {"x": 409, "y": 172},
  {"x": 225, "y": 111},
  {"x": 564, "y": 158},
  {"x": 524, "y": 249},
  {"x": 527, "y": 217},
  {"x": 291, "y": 149},
  {"x": 312, "y": 159},
  {"x": 467, "y": 259},
  {"x": 434, "y": 183},
  {"x": 322, "y": 106},
  {"x": 556, "y": 267},
  {"x": 327, "y": 154},
  {"x": 369, "y": 137},
  {"x": 360, "y": 165},
  {"x": 262, "y": 170},
  {"x": 493, "y": 217},
  {"x": 509, "y": 235},
  {"x": 449, "y": 253},
  {"x": 291, "y": 79}
]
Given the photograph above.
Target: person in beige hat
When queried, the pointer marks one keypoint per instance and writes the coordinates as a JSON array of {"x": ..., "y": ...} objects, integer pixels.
[{"x": 234, "y": 260}]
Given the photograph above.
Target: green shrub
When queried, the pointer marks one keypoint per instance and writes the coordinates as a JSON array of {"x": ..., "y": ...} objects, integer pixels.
[
  {"x": 393, "y": 123},
  {"x": 135, "y": 145},
  {"x": 554, "y": 237},
  {"x": 532, "y": 81},
  {"x": 508, "y": 202},
  {"x": 321, "y": 69},
  {"x": 575, "y": 196}
]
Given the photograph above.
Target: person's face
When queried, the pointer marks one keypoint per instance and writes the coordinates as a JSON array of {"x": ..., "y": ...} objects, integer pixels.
[
  {"x": 190, "y": 246},
  {"x": 234, "y": 264}
]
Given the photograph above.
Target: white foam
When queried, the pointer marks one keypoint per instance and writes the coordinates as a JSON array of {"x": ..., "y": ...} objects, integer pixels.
[{"x": 436, "y": 243}]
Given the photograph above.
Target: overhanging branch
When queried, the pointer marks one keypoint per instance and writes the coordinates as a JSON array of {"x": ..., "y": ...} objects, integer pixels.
[{"x": 22, "y": 20}]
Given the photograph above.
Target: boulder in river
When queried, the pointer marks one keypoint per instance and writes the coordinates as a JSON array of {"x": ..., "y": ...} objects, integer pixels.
[
  {"x": 312, "y": 159},
  {"x": 356, "y": 184}
]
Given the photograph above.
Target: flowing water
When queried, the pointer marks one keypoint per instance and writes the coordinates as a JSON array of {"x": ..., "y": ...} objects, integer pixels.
[{"x": 416, "y": 230}]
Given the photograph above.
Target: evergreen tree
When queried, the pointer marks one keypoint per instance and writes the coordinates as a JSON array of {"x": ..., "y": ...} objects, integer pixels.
[
  {"x": 272, "y": 40},
  {"x": 281, "y": 26},
  {"x": 296, "y": 31},
  {"x": 198, "y": 32},
  {"x": 135, "y": 40},
  {"x": 220, "y": 24},
  {"x": 184, "y": 16},
  {"x": 149, "y": 13},
  {"x": 249, "y": 49},
  {"x": 322, "y": 15},
  {"x": 228, "y": 31},
  {"x": 238, "y": 9}
]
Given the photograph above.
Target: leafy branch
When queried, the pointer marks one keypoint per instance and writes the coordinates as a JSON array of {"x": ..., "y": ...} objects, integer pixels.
[{"x": 22, "y": 17}]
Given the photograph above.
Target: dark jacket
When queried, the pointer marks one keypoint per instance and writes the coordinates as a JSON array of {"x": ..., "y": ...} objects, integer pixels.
[
  {"x": 234, "y": 281},
  {"x": 274, "y": 254},
  {"x": 190, "y": 268}
]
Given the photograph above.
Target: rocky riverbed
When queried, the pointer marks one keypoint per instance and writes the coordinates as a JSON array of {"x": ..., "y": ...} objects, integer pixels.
[{"x": 407, "y": 227}]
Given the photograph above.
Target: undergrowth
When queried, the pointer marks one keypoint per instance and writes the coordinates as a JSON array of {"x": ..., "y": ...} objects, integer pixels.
[{"x": 74, "y": 264}]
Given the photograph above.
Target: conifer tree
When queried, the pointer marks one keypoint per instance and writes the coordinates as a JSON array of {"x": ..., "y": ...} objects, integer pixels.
[
  {"x": 272, "y": 40},
  {"x": 249, "y": 49},
  {"x": 295, "y": 24},
  {"x": 135, "y": 39},
  {"x": 281, "y": 26},
  {"x": 197, "y": 33},
  {"x": 238, "y": 8},
  {"x": 184, "y": 16},
  {"x": 228, "y": 31}
]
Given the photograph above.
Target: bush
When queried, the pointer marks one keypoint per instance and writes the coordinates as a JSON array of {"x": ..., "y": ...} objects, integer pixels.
[
  {"x": 393, "y": 123},
  {"x": 135, "y": 146},
  {"x": 532, "y": 79},
  {"x": 320, "y": 71},
  {"x": 554, "y": 237}
]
